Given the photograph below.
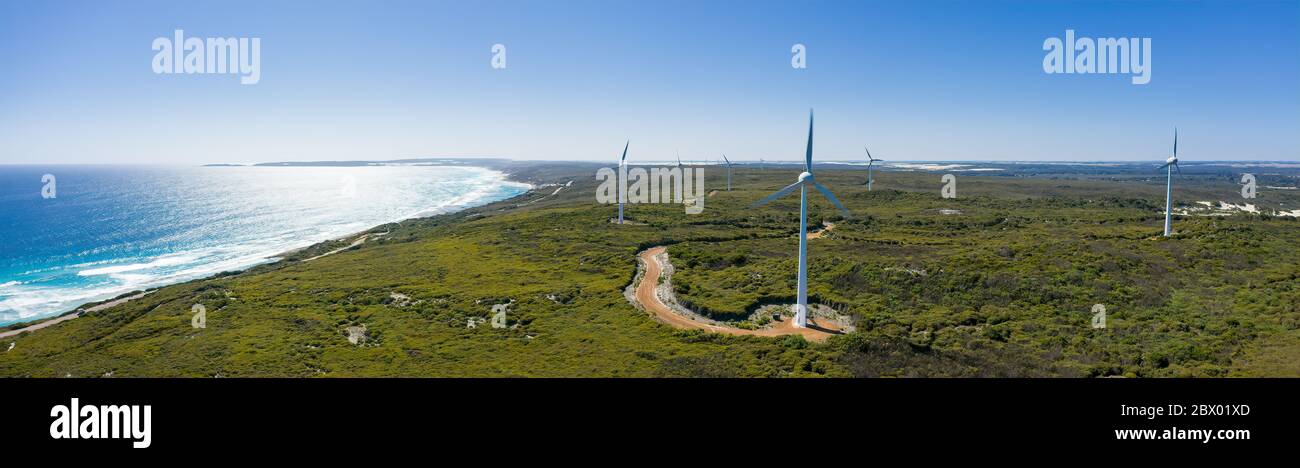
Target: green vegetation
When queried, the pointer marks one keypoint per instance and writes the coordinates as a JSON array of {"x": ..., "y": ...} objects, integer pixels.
[{"x": 1004, "y": 288}]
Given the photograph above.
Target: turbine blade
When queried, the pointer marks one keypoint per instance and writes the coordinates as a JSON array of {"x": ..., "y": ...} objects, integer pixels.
[
  {"x": 724, "y": 158},
  {"x": 830, "y": 196},
  {"x": 776, "y": 195},
  {"x": 1179, "y": 167},
  {"x": 807, "y": 161},
  {"x": 1175, "y": 142},
  {"x": 624, "y": 158},
  {"x": 869, "y": 158}
]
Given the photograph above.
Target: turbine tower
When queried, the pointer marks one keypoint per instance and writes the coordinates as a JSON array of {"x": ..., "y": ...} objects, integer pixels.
[
  {"x": 805, "y": 179},
  {"x": 1170, "y": 165},
  {"x": 870, "y": 161},
  {"x": 728, "y": 161},
  {"x": 621, "y": 173}
]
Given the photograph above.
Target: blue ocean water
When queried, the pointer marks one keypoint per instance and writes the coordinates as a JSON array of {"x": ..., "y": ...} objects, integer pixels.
[{"x": 113, "y": 229}]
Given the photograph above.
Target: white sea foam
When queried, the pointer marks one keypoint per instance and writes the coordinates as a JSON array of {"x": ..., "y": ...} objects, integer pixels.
[{"x": 169, "y": 260}]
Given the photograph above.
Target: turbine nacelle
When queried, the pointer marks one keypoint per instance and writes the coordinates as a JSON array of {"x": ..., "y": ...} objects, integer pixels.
[
  {"x": 805, "y": 176},
  {"x": 870, "y": 158}
]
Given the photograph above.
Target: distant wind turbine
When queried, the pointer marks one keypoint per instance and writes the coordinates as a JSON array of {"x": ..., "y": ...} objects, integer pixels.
[
  {"x": 728, "y": 162},
  {"x": 805, "y": 179},
  {"x": 679, "y": 159},
  {"x": 1170, "y": 165},
  {"x": 621, "y": 162},
  {"x": 870, "y": 161}
]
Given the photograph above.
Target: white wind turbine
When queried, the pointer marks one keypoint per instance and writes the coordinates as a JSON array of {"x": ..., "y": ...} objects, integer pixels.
[
  {"x": 621, "y": 162},
  {"x": 870, "y": 161},
  {"x": 805, "y": 179},
  {"x": 728, "y": 162},
  {"x": 1170, "y": 165}
]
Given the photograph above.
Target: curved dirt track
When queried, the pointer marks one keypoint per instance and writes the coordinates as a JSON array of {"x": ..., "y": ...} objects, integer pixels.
[
  {"x": 826, "y": 228},
  {"x": 645, "y": 295}
]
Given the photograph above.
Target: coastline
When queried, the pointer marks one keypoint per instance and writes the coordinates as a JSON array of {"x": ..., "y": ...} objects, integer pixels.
[
  {"x": 66, "y": 316},
  {"x": 18, "y": 328}
]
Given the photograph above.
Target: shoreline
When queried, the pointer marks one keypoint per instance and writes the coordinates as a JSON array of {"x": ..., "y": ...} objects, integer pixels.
[
  {"x": 17, "y": 328},
  {"x": 66, "y": 316}
]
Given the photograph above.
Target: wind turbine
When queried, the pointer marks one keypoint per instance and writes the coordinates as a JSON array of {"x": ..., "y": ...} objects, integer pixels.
[
  {"x": 621, "y": 162},
  {"x": 870, "y": 161},
  {"x": 1170, "y": 165},
  {"x": 728, "y": 161},
  {"x": 805, "y": 179}
]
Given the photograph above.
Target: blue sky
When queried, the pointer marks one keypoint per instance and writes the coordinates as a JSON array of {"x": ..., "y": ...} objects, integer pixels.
[{"x": 913, "y": 80}]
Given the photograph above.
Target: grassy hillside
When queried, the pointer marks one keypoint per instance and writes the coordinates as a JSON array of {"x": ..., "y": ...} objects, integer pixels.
[{"x": 1003, "y": 286}]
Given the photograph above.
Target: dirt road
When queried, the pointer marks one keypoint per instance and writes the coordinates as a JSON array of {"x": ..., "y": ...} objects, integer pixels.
[
  {"x": 826, "y": 227},
  {"x": 358, "y": 241},
  {"x": 645, "y": 295}
]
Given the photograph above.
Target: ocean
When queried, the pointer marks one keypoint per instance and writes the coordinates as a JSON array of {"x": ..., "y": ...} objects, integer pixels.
[{"x": 113, "y": 229}]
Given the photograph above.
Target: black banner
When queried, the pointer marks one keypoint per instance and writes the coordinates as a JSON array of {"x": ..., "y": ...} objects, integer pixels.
[{"x": 187, "y": 415}]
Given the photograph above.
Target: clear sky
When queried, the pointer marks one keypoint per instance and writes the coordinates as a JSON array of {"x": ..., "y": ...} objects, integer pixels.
[{"x": 914, "y": 80}]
